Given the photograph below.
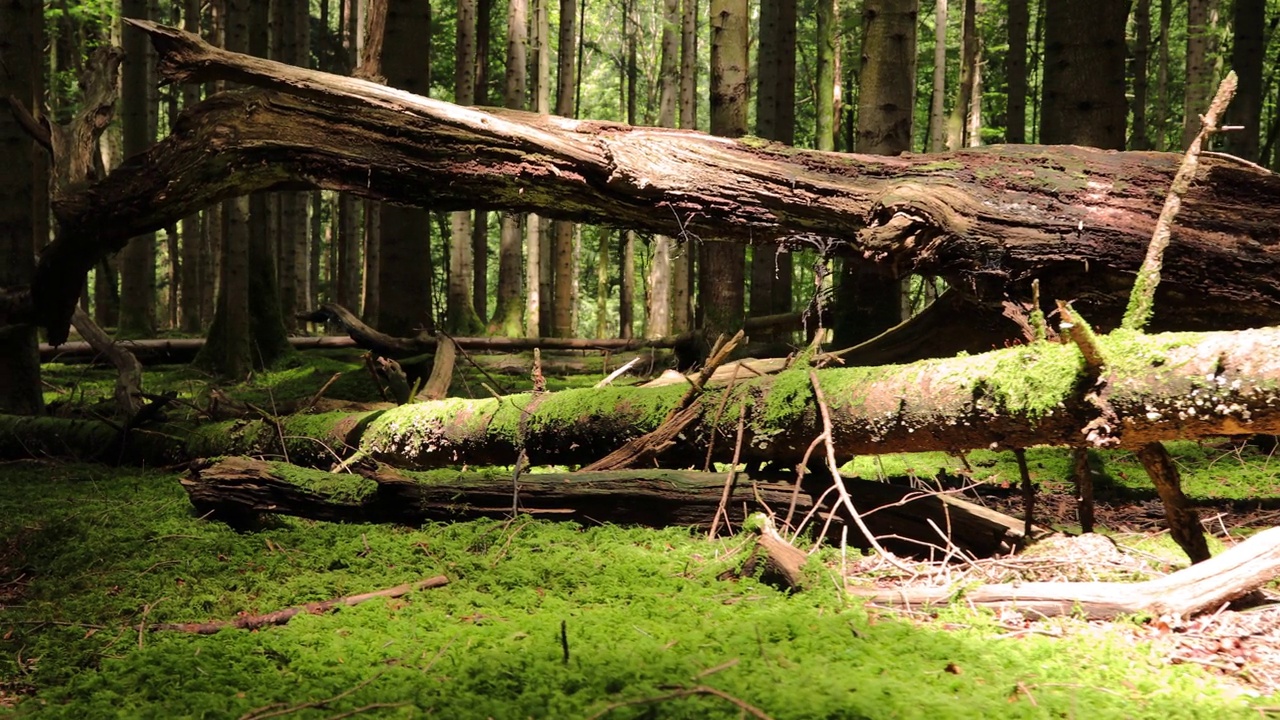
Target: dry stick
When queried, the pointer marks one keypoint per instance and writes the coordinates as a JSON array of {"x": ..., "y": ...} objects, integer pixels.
[
  {"x": 1142, "y": 298},
  {"x": 1028, "y": 492},
  {"x": 1084, "y": 487},
  {"x": 722, "y": 509},
  {"x": 280, "y": 617},
  {"x": 724, "y": 400},
  {"x": 614, "y": 375},
  {"x": 800, "y": 472},
  {"x": 839, "y": 481}
]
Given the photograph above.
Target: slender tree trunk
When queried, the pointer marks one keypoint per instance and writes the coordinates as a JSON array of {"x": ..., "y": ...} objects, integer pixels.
[
  {"x": 138, "y": 259},
  {"x": 508, "y": 315},
  {"x": 1138, "y": 136},
  {"x": 21, "y": 47},
  {"x": 956, "y": 122},
  {"x": 867, "y": 301},
  {"x": 461, "y": 318},
  {"x": 537, "y": 242},
  {"x": 562, "y": 232},
  {"x": 602, "y": 285},
  {"x": 195, "y": 271},
  {"x": 1247, "y": 55},
  {"x": 1084, "y": 83},
  {"x": 973, "y": 121},
  {"x": 937, "y": 110},
  {"x": 1162, "y": 79},
  {"x": 480, "y": 230},
  {"x": 404, "y": 270},
  {"x": 1015, "y": 69},
  {"x": 721, "y": 266},
  {"x": 824, "y": 127},
  {"x": 1202, "y": 21}
]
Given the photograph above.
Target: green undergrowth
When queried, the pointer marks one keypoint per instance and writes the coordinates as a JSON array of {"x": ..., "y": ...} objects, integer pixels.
[{"x": 87, "y": 552}]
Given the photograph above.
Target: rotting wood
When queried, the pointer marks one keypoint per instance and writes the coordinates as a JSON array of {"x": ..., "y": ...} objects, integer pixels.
[
  {"x": 1078, "y": 219},
  {"x": 1202, "y": 587},
  {"x": 784, "y": 562},
  {"x": 239, "y": 488}
]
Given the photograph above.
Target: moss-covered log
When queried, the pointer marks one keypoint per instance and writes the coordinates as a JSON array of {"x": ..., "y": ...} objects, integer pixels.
[
  {"x": 989, "y": 220},
  {"x": 1157, "y": 387},
  {"x": 240, "y": 488}
]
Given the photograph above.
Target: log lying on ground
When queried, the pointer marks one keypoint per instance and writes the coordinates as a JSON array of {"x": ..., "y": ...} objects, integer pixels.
[
  {"x": 988, "y": 220},
  {"x": 239, "y": 488},
  {"x": 1159, "y": 387},
  {"x": 1204, "y": 586}
]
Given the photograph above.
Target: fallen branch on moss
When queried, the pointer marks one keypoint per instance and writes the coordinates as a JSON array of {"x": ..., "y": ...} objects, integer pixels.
[
  {"x": 280, "y": 617},
  {"x": 1207, "y": 585}
]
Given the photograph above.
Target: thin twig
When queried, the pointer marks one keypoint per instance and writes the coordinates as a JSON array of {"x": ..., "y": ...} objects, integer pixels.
[
  {"x": 845, "y": 499},
  {"x": 684, "y": 693},
  {"x": 722, "y": 509},
  {"x": 1142, "y": 298}
]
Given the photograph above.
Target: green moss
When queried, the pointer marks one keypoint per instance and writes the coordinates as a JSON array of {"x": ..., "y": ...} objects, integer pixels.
[
  {"x": 344, "y": 488},
  {"x": 641, "y": 609}
]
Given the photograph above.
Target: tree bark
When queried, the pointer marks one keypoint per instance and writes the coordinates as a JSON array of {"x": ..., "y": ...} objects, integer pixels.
[
  {"x": 989, "y": 221},
  {"x": 1247, "y": 54},
  {"x": 1015, "y": 70},
  {"x": 138, "y": 259}
]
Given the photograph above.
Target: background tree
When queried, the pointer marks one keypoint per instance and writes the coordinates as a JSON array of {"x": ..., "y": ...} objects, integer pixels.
[
  {"x": 20, "y": 46},
  {"x": 1202, "y": 35},
  {"x": 1247, "y": 55},
  {"x": 508, "y": 314},
  {"x": 1084, "y": 80},
  {"x": 564, "y": 270},
  {"x": 405, "y": 267},
  {"x": 137, "y": 113},
  {"x": 721, "y": 265},
  {"x": 461, "y": 318}
]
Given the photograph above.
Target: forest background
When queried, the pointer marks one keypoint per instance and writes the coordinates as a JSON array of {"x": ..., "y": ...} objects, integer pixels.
[{"x": 813, "y": 74}]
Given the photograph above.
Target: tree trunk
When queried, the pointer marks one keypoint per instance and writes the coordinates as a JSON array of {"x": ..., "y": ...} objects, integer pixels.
[
  {"x": 937, "y": 114},
  {"x": 21, "y": 47},
  {"x": 1015, "y": 70},
  {"x": 1084, "y": 86},
  {"x": 405, "y": 277},
  {"x": 1202, "y": 28},
  {"x": 1247, "y": 54},
  {"x": 987, "y": 238},
  {"x": 1162, "y": 79},
  {"x": 826, "y": 78},
  {"x": 563, "y": 268},
  {"x": 956, "y": 125},
  {"x": 722, "y": 266},
  {"x": 508, "y": 314},
  {"x": 460, "y": 313},
  {"x": 1138, "y": 138},
  {"x": 138, "y": 259}
]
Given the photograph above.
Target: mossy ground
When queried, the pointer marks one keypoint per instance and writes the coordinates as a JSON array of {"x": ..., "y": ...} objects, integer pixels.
[
  {"x": 87, "y": 552},
  {"x": 92, "y": 551}
]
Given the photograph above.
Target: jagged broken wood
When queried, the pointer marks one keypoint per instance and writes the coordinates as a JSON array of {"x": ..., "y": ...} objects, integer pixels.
[
  {"x": 988, "y": 220},
  {"x": 1205, "y": 586},
  {"x": 239, "y": 488}
]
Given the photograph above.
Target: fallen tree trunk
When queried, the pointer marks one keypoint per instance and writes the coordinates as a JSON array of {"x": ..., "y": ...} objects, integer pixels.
[
  {"x": 239, "y": 488},
  {"x": 1158, "y": 387},
  {"x": 1204, "y": 586},
  {"x": 989, "y": 220}
]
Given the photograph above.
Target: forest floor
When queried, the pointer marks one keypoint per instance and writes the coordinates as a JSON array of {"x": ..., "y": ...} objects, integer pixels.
[{"x": 544, "y": 619}]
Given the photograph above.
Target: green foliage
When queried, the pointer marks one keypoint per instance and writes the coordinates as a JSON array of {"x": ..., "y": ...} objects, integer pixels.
[{"x": 100, "y": 550}]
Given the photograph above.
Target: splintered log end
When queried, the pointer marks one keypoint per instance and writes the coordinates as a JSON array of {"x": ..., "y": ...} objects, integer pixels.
[{"x": 783, "y": 562}]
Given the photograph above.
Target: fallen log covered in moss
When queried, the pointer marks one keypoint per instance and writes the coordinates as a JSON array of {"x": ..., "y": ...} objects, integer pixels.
[{"x": 238, "y": 489}]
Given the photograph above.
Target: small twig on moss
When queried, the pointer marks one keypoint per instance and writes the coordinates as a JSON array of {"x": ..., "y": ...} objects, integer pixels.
[
  {"x": 1142, "y": 298},
  {"x": 280, "y": 617},
  {"x": 730, "y": 477},
  {"x": 608, "y": 380},
  {"x": 367, "y": 708},
  {"x": 311, "y": 402},
  {"x": 743, "y": 705},
  {"x": 564, "y": 641}
]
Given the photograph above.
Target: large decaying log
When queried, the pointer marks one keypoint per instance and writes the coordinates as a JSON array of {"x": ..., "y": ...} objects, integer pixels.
[
  {"x": 239, "y": 488},
  {"x": 988, "y": 220},
  {"x": 1204, "y": 586},
  {"x": 1159, "y": 387}
]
